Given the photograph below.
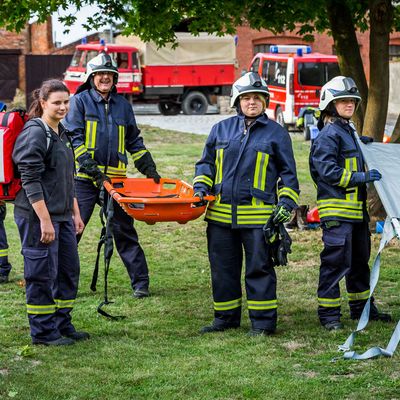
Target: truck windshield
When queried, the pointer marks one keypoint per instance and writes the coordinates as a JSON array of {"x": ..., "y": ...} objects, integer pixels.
[
  {"x": 316, "y": 73},
  {"x": 76, "y": 58}
]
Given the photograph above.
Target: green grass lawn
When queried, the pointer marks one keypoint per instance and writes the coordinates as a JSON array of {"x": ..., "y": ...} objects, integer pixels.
[{"x": 156, "y": 352}]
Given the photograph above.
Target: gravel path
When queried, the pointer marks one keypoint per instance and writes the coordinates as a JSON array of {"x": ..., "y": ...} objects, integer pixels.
[{"x": 200, "y": 124}]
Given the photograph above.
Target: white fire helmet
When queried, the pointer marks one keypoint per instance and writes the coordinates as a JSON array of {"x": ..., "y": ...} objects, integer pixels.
[
  {"x": 103, "y": 62},
  {"x": 250, "y": 82},
  {"x": 339, "y": 87}
]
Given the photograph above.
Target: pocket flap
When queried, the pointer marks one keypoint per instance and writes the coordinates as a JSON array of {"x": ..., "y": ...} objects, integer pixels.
[
  {"x": 334, "y": 241},
  {"x": 34, "y": 254}
]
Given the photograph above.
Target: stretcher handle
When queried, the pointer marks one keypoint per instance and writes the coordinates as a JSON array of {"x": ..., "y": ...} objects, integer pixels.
[{"x": 152, "y": 200}]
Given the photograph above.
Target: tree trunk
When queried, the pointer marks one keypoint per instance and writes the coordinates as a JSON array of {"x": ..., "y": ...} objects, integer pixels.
[
  {"x": 348, "y": 52},
  {"x": 395, "y": 138},
  {"x": 380, "y": 22}
]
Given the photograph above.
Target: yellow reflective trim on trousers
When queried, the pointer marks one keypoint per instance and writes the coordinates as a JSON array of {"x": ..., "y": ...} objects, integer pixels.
[
  {"x": 80, "y": 150},
  {"x": 227, "y": 305},
  {"x": 203, "y": 179},
  {"x": 262, "y": 305},
  {"x": 345, "y": 179},
  {"x": 4, "y": 252},
  {"x": 358, "y": 296},
  {"x": 64, "y": 303},
  {"x": 325, "y": 302},
  {"x": 138, "y": 154},
  {"x": 351, "y": 165},
  {"x": 218, "y": 165},
  {"x": 41, "y": 309},
  {"x": 288, "y": 192},
  {"x": 260, "y": 174}
]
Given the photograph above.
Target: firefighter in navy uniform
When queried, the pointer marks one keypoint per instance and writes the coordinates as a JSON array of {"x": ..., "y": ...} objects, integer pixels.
[
  {"x": 244, "y": 160},
  {"x": 103, "y": 130},
  {"x": 337, "y": 168},
  {"x": 5, "y": 266}
]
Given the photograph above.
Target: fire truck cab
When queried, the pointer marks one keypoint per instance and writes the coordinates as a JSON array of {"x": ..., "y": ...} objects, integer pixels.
[{"x": 294, "y": 76}]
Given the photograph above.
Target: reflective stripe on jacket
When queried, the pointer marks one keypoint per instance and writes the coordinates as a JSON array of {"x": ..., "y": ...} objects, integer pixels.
[
  {"x": 243, "y": 168},
  {"x": 105, "y": 131},
  {"x": 334, "y": 155}
]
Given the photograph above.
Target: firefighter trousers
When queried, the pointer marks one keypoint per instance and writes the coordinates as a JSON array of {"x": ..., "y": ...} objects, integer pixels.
[
  {"x": 225, "y": 251},
  {"x": 125, "y": 235},
  {"x": 51, "y": 273},
  {"x": 5, "y": 266},
  {"x": 346, "y": 253}
]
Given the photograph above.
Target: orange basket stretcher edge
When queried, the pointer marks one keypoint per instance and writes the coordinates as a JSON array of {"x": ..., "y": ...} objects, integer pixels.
[{"x": 145, "y": 200}]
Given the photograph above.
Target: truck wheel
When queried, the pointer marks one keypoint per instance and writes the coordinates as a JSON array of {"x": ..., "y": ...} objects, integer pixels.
[
  {"x": 279, "y": 117},
  {"x": 195, "y": 103},
  {"x": 169, "y": 108}
]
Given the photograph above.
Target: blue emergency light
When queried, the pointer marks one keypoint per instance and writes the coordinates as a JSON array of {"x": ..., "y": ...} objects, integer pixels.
[
  {"x": 102, "y": 42},
  {"x": 290, "y": 48},
  {"x": 84, "y": 40}
]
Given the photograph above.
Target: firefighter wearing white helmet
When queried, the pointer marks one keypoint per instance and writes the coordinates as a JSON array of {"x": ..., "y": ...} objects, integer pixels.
[
  {"x": 245, "y": 159},
  {"x": 103, "y": 62},
  {"x": 104, "y": 132},
  {"x": 337, "y": 168},
  {"x": 249, "y": 83}
]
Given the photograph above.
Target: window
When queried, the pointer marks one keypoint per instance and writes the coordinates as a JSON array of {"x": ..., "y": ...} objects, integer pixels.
[
  {"x": 394, "y": 52},
  {"x": 135, "y": 60},
  {"x": 76, "y": 58},
  {"x": 121, "y": 59},
  {"x": 261, "y": 48},
  {"x": 274, "y": 72},
  {"x": 316, "y": 74},
  {"x": 88, "y": 56},
  {"x": 255, "y": 65}
]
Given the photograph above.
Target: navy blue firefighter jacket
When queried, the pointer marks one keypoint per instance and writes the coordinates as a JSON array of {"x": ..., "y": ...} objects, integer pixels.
[
  {"x": 335, "y": 156},
  {"x": 248, "y": 169}
]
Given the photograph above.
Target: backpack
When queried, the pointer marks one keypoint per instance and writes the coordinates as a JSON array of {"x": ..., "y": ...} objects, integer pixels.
[{"x": 11, "y": 125}]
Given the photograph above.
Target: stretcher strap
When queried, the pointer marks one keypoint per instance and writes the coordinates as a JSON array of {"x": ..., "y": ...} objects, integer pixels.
[{"x": 390, "y": 230}]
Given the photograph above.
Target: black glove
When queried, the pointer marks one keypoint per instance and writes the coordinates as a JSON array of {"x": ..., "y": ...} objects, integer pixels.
[
  {"x": 152, "y": 173},
  {"x": 91, "y": 168},
  {"x": 100, "y": 178},
  {"x": 285, "y": 246},
  {"x": 281, "y": 214},
  {"x": 200, "y": 194},
  {"x": 366, "y": 139},
  {"x": 147, "y": 166}
]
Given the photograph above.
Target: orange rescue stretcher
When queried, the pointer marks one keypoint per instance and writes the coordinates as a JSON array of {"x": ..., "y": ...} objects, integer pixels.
[{"x": 145, "y": 200}]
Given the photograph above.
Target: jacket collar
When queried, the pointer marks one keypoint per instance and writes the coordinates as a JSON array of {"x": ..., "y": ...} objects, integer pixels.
[
  {"x": 262, "y": 119},
  {"x": 98, "y": 98}
]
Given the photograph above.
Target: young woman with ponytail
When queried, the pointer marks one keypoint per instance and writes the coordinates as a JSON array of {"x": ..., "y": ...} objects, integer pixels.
[{"x": 48, "y": 218}]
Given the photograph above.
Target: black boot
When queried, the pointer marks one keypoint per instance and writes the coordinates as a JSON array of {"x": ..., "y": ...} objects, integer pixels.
[{"x": 333, "y": 326}]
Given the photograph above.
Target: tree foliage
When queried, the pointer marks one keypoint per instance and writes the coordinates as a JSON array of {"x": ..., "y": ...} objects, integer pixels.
[{"x": 154, "y": 20}]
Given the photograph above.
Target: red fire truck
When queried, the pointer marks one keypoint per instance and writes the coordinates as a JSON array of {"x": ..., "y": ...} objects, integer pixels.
[
  {"x": 187, "y": 78},
  {"x": 294, "y": 76}
]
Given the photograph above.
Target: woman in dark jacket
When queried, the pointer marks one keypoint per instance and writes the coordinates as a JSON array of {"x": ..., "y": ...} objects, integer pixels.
[
  {"x": 48, "y": 218},
  {"x": 337, "y": 168}
]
